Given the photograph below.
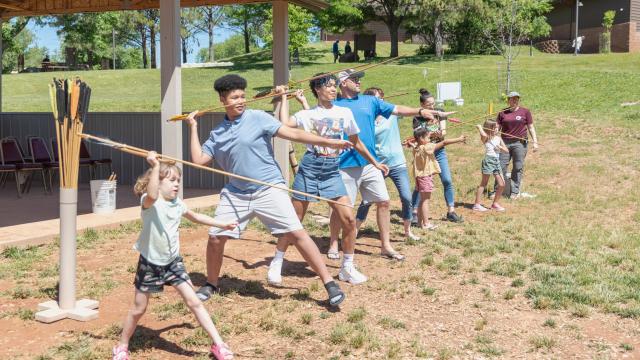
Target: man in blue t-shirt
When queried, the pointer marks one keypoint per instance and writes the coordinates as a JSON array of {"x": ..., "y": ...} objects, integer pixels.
[
  {"x": 241, "y": 145},
  {"x": 357, "y": 173}
]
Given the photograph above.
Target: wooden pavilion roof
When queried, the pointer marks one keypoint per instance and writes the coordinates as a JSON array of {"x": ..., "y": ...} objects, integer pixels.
[{"x": 13, "y": 8}]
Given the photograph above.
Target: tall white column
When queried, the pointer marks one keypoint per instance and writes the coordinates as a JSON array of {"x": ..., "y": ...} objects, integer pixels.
[
  {"x": 0, "y": 66},
  {"x": 281, "y": 72},
  {"x": 170, "y": 78}
]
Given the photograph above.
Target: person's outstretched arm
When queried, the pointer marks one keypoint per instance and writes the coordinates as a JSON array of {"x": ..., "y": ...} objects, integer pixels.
[
  {"x": 208, "y": 220},
  {"x": 304, "y": 137},
  {"x": 362, "y": 149},
  {"x": 446, "y": 142}
]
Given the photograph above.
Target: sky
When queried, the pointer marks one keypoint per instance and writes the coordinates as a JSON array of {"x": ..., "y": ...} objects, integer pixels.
[{"x": 46, "y": 36}]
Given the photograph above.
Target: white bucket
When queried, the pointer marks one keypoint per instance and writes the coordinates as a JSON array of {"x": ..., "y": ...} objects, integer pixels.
[{"x": 103, "y": 196}]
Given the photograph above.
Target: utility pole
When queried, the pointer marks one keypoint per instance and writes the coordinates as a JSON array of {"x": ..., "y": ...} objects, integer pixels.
[
  {"x": 113, "y": 38},
  {"x": 575, "y": 41}
]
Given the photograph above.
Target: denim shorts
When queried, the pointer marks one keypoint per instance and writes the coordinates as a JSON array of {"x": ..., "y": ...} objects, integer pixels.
[
  {"x": 319, "y": 175},
  {"x": 151, "y": 278}
]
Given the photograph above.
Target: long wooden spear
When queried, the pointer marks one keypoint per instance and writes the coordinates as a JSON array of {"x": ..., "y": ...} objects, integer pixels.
[
  {"x": 357, "y": 68},
  {"x": 272, "y": 95},
  {"x": 143, "y": 153}
]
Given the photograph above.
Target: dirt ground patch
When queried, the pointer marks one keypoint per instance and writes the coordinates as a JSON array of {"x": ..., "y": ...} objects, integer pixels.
[{"x": 554, "y": 277}]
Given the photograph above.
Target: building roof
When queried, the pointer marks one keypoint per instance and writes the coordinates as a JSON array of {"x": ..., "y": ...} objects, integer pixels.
[{"x": 13, "y": 8}]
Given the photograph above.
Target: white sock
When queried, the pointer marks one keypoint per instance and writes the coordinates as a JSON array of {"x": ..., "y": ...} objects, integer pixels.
[
  {"x": 279, "y": 256},
  {"x": 347, "y": 260}
]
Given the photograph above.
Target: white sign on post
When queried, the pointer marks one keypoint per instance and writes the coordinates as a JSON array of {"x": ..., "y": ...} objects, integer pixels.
[{"x": 449, "y": 91}]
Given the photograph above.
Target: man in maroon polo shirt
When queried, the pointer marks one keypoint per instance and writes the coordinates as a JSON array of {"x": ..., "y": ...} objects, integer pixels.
[{"x": 515, "y": 124}]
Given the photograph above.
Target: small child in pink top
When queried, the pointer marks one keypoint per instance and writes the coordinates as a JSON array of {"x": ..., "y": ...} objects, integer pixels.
[{"x": 425, "y": 166}]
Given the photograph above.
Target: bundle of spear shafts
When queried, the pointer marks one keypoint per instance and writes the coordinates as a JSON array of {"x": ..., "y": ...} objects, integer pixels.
[
  {"x": 70, "y": 105},
  {"x": 272, "y": 94}
]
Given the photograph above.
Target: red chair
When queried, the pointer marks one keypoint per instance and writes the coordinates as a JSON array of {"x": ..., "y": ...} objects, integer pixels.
[
  {"x": 40, "y": 154},
  {"x": 11, "y": 155},
  {"x": 84, "y": 154}
]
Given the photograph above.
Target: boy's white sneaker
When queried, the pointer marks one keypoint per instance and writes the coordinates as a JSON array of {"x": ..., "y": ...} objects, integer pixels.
[
  {"x": 274, "y": 275},
  {"x": 351, "y": 275}
]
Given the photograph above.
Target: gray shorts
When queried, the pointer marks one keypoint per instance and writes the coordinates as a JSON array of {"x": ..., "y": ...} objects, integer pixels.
[
  {"x": 272, "y": 206},
  {"x": 490, "y": 166},
  {"x": 368, "y": 180}
]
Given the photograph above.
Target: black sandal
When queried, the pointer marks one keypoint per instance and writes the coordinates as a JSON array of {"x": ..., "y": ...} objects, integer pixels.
[
  {"x": 206, "y": 291},
  {"x": 336, "y": 296}
]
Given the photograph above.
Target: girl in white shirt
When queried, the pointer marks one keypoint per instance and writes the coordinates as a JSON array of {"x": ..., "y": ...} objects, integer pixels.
[{"x": 493, "y": 145}]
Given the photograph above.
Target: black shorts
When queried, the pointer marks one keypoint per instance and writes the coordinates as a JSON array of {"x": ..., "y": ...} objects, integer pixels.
[{"x": 151, "y": 278}]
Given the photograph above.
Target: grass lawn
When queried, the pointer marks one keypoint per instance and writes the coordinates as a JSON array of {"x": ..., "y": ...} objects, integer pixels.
[{"x": 553, "y": 277}]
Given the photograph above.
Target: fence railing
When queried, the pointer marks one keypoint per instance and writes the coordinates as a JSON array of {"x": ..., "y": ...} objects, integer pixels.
[{"x": 141, "y": 129}]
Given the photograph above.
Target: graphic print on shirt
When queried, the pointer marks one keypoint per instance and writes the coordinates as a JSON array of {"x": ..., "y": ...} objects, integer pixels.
[{"x": 327, "y": 128}]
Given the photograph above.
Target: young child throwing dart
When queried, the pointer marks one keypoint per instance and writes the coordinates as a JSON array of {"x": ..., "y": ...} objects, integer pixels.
[
  {"x": 160, "y": 262},
  {"x": 493, "y": 146},
  {"x": 425, "y": 166}
]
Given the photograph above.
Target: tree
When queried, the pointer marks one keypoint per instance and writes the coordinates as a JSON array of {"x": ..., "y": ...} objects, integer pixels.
[
  {"x": 132, "y": 29},
  {"x": 188, "y": 30},
  {"x": 301, "y": 22},
  {"x": 231, "y": 47},
  {"x": 605, "y": 38},
  {"x": 11, "y": 29},
  {"x": 248, "y": 20},
  {"x": 88, "y": 33},
  {"x": 391, "y": 12},
  {"x": 340, "y": 16},
  {"x": 211, "y": 16},
  {"x": 509, "y": 22},
  {"x": 152, "y": 21},
  {"x": 430, "y": 18},
  {"x": 16, "y": 40}
]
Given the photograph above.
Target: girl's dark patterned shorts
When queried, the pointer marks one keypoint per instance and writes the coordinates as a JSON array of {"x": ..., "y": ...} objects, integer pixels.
[{"x": 151, "y": 278}]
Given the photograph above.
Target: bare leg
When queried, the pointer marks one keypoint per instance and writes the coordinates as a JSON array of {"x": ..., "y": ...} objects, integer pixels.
[
  {"x": 383, "y": 216},
  {"x": 334, "y": 228},
  {"x": 348, "y": 224},
  {"x": 500, "y": 182},
  {"x": 481, "y": 187},
  {"x": 215, "y": 255},
  {"x": 140, "y": 302},
  {"x": 407, "y": 230},
  {"x": 301, "y": 209},
  {"x": 423, "y": 211},
  {"x": 310, "y": 253},
  {"x": 202, "y": 315}
]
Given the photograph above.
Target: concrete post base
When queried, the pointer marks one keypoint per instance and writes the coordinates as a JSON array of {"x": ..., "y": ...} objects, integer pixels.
[{"x": 84, "y": 310}]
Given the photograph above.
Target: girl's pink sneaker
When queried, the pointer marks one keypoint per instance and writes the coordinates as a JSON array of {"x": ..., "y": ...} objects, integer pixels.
[
  {"x": 497, "y": 207},
  {"x": 221, "y": 351},
  {"x": 120, "y": 352}
]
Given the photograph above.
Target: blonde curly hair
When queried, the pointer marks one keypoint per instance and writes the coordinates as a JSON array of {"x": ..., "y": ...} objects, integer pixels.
[{"x": 143, "y": 180}]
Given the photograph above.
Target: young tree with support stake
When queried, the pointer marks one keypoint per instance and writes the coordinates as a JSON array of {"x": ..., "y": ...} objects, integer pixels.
[{"x": 509, "y": 22}]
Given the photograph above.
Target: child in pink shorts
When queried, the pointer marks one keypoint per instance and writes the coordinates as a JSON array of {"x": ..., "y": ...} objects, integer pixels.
[{"x": 425, "y": 166}]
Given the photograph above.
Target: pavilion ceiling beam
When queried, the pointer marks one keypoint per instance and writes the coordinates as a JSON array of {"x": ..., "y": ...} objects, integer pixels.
[{"x": 11, "y": 7}]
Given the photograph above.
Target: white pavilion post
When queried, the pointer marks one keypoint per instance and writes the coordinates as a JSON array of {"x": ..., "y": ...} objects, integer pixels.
[
  {"x": 281, "y": 72},
  {"x": 170, "y": 79},
  {"x": 0, "y": 67}
]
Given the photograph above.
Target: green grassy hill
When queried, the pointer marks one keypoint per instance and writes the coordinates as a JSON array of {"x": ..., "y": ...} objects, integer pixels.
[{"x": 592, "y": 86}]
